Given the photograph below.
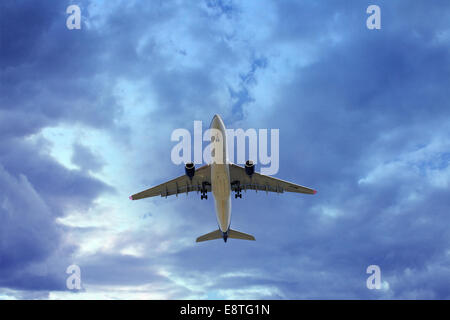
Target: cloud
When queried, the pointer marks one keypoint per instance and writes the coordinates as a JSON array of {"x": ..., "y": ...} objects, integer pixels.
[
  {"x": 41, "y": 86},
  {"x": 85, "y": 159},
  {"x": 29, "y": 236},
  {"x": 362, "y": 118}
]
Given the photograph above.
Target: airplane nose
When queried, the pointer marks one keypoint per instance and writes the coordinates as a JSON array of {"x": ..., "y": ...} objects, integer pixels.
[{"x": 216, "y": 122}]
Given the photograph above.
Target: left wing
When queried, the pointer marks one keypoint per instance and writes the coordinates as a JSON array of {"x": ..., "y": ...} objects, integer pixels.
[
  {"x": 240, "y": 179},
  {"x": 182, "y": 184}
]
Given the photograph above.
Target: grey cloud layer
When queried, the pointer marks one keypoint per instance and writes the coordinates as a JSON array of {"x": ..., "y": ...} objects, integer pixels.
[{"x": 368, "y": 99}]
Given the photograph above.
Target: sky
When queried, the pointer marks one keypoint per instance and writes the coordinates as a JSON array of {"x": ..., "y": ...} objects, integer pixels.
[{"x": 86, "y": 117}]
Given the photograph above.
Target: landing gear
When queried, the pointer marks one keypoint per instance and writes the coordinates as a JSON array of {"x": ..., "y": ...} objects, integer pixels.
[
  {"x": 204, "y": 191},
  {"x": 236, "y": 186},
  {"x": 238, "y": 190}
]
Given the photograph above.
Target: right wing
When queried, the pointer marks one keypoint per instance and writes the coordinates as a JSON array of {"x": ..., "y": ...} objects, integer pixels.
[
  {"x": 239, "y": 179},
  {"x": 182, "y": 184}
]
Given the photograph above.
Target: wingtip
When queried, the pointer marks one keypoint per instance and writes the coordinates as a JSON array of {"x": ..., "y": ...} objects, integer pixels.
[
  {"x": 130, "y": 197},
  {"x": 314, "y": 191}
]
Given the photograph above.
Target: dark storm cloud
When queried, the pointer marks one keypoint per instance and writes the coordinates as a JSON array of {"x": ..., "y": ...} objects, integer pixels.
[
  {"x": 368, "y": 99},
  {"x": 35, "y": 191},
  {"x": 29, "y": 238},
  {"x": 49, "y": 74},
  {"x": 43, "y": 82}
]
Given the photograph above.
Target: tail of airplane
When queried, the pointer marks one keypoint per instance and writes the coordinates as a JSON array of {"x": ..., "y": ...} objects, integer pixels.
[
  {"x": 233, "y": 234},
  {"x": 210, "y": 236},
  {"x": 217, "y": 234}
]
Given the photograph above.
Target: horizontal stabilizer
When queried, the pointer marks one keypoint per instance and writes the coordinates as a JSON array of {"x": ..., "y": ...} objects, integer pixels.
[
  {"x": 210, "y": 236},
  {"x": 233, "y": 234},
  {"x": 217, "y": 234}
]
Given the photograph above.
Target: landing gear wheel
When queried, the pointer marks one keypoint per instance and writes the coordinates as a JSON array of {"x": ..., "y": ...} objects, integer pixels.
[
  {"x": 204, "y": 191},
  {"x": 238, "y": 193}
]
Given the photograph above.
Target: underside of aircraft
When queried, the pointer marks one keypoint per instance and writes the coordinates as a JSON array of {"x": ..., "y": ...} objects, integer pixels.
[{"x": 222, "y": 178}]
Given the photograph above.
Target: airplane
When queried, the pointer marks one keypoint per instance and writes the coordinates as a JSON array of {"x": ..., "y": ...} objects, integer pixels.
[{"x": 221, "y": 177}]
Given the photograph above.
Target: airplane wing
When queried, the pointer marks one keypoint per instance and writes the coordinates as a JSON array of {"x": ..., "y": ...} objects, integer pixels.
[
  {"x": 239, "y": 179},
  {"x": 182, "y": 184}
]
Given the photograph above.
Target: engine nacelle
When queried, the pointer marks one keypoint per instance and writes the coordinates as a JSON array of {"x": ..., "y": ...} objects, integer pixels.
[
  {"x": 249, "y": 167},
  {"x": 189, "y": 168}
]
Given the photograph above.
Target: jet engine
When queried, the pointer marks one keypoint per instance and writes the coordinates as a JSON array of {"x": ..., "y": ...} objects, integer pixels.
[
  {"x": 249, "y": 167},
  {"x": 189, "y": 168}
]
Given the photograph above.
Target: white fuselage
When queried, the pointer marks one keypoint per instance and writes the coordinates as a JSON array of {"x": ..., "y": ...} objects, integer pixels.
[{"x": 220, "y": 174}]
